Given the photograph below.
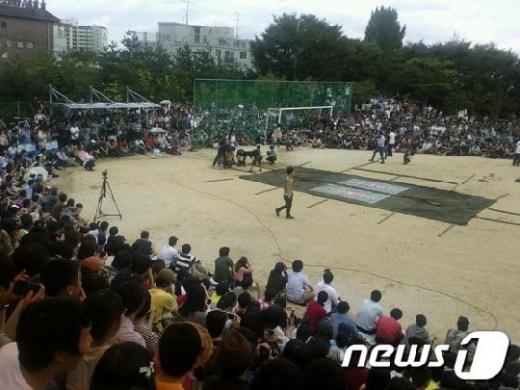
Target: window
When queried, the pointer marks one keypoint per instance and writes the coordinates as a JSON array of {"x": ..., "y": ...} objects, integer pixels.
[
  {"x": 197, "y": 34},
  {"x": 218, "y": 53},
  {"x": 20, "y": 45},
  {"x": 243, "y": 55},
  {"x": 3, "y": 24},
  {"x": 222, "y": 42},
  {"x": 9, "y": 43},
  {"x": 229, "y": 56},
  {"x": 30, "y": 45}
]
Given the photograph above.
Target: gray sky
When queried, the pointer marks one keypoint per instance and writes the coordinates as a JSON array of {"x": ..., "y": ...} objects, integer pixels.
[{"x": 478, "y": 21}]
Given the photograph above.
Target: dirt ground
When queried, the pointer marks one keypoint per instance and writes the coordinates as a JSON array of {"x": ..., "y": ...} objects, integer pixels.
[{"x": 421, "y": 265}]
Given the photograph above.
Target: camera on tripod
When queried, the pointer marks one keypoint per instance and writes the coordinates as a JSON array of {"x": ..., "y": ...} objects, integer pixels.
[{"x": 104, "y": 190}]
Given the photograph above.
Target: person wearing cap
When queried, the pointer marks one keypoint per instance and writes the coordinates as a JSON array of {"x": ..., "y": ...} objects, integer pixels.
[
  {"x": 87, "y": 256},
  {"x": 233, "y": 357},
  {"x": 163, "y": 301}
]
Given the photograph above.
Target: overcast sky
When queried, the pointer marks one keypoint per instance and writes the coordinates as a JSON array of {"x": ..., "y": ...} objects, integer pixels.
[{"x": 478, "y": 21}]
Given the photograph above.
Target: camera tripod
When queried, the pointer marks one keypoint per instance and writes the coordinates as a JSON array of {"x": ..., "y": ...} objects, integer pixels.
[{"x": 103, "y": 194}]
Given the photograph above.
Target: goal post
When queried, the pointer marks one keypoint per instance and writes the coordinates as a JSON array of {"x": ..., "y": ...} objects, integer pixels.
[{"x": 279, "y": 111}]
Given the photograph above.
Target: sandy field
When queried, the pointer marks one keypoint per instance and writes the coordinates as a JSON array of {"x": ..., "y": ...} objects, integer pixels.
[{"x": 420, "y": 265}]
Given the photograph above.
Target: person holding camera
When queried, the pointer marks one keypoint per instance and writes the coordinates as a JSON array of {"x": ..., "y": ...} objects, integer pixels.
[{"x": 14, "y": 290}]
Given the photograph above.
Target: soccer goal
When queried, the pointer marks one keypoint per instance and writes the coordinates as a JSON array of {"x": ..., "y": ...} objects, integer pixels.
[{"x": 293, "y": 116}]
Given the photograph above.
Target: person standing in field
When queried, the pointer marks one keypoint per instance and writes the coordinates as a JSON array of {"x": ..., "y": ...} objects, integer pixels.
[{"x": 287, "y": 194}]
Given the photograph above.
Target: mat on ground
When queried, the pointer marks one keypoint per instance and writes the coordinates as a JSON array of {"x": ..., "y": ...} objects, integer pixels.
[{"x": 421, "y": 201}]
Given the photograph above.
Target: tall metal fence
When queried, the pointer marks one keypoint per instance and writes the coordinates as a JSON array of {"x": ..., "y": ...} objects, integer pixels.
[{"x": 242, "y": 105}]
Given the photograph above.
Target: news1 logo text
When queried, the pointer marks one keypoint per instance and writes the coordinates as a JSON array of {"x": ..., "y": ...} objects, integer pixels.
[{"x": 487, "y": 360}]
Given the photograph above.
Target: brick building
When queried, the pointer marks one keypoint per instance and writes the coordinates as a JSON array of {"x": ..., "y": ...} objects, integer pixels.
[{"x": 25, "y": 27}]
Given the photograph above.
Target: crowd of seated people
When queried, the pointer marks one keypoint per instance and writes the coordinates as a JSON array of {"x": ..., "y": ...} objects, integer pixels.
[
  {"x": 83, "y": 136},
  {"x": 84, "y": 308},
  {"x": 428, "y": 130}
]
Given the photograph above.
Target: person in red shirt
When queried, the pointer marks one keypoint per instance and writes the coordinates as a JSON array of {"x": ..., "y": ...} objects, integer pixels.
[
  {"x": 315, "y": 311},
  {"x": 389, "y": 329}
]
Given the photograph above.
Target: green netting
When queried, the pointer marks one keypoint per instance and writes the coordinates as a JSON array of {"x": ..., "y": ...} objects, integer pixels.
[{"x": 241, "y": 105}]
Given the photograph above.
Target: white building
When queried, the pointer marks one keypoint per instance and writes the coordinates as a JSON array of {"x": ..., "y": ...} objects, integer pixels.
[
  {"x": 69, "y": 36},
  {"x": 220, "y": 42},
  {"x": 146, "y": 38},
  {"x": 92, "y": 38}
]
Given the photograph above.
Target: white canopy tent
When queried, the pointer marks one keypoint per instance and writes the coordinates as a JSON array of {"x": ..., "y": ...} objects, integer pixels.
[{"x": 99, "y": 101}]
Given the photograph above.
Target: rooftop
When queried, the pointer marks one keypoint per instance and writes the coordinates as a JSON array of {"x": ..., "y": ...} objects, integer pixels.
[{"x": 14, "y": 9}]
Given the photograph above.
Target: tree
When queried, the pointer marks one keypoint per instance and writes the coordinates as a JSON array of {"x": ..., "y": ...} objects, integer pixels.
[
  {"x": 189, "y": 65},
  {"x": 428, "y": 80},
  {"x": 300, "y": 47},
  {"x": 384, "y": 29}
]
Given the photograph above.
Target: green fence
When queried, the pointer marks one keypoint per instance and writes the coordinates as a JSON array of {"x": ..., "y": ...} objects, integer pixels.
[{"x": 241, "y": 105}]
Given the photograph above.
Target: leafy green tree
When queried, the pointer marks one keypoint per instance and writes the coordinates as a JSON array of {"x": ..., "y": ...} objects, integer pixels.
[
  {"x": 429, "y": 80},
  {"x": 300, "y": 47},
  {"x": 384, "y": 29}
]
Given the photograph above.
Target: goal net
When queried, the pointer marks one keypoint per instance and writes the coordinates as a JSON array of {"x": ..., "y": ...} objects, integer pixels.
[
  {"x": 245, "y": 106},
  {"x": 295, "y": 117}
]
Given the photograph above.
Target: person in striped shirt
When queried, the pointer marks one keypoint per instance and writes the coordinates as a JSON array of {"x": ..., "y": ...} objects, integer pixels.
[{"x": 187, "y": 265}]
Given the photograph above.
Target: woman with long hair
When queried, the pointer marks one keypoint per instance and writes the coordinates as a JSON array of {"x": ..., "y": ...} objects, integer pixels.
[{"x": 243, "y": 273}]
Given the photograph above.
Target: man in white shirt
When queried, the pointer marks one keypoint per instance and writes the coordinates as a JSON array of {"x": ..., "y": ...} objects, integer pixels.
[
  {"x": 299, "y": 290},
  {"x": 380, "y": 148},
  {"x": 168, "y": 253},
  {"x": 516, "y": 155},
  {"x": 326, "y": 285},
  {"x": 74, "y": 133},
  {"x": 391, "y": 143},
  {"x": 370, "y": 312}
]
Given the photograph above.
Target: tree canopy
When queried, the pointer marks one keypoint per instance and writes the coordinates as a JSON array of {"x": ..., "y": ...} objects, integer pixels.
[
  {"x": 384, "y": 29},
  {"x": 300, "y": 48},
  {"x": 451, "y": 75}
]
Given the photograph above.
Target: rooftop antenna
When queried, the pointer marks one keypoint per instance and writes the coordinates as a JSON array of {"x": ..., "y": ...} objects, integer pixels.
[
  {"x": 237, "y": 24},
  {"x": 187, "y": 2}
]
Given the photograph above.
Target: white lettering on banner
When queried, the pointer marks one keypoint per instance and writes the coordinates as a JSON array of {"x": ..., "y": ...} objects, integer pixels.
[{"x": 487, "y": 362}]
